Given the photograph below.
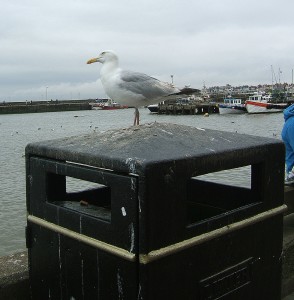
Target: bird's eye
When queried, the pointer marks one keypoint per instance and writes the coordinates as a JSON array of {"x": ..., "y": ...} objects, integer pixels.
[{"x": 103, "y": 53}]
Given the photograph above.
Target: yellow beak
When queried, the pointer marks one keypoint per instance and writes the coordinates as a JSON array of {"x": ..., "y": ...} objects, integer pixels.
[{"x": 92, "y": 60}]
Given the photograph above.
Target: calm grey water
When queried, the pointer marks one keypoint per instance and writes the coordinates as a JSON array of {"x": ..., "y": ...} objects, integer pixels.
[{"x": 17, "y": 131}]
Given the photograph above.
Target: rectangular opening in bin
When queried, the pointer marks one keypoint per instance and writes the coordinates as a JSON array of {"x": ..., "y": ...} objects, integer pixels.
[
  {"x": 83, "y": 196},
  {"x": 215, "y": 194}
]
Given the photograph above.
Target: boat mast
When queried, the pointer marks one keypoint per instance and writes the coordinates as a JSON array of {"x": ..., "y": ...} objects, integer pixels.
[{"x": 273, "y": 77}]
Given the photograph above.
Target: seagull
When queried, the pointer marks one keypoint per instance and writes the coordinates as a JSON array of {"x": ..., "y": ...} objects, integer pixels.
[{"x": 134, "y": 89}]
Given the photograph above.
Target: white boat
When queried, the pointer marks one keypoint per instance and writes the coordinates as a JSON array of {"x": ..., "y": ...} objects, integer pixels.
[
  {"x": 260, "y": 103},
  {"x": 232, "y": 106},
  {"x": 153, "y": 108},
  {"x": 109, "y": 105}
]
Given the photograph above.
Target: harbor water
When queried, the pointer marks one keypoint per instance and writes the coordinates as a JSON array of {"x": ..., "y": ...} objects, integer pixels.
[{"x": 17, "y": 130}]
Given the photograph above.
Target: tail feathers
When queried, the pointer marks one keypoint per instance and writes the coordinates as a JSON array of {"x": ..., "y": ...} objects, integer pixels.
[{"x": 187, "y": 91}]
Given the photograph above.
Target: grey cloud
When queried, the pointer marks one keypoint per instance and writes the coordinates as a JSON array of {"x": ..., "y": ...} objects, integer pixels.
[{"x": 46, "y": 43}]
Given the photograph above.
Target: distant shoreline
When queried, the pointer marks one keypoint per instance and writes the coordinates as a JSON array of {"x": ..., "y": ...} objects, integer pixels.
[{"x": 44, "y": 106}]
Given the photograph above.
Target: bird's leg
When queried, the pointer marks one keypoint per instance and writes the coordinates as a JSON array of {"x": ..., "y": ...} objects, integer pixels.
[
  {"x": 137, "y": 116},
  {"x": 136, "y": 120}
]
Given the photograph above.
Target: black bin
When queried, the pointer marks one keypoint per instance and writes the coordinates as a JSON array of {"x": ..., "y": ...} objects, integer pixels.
[{"x": 128, "y": 214}]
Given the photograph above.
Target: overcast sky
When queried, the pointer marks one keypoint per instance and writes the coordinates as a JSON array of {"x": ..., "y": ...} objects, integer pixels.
[{"x": 44, "y": 45}]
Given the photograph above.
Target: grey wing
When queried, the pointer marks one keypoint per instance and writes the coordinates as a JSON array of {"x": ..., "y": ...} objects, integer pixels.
[{"x": 145, "y": 85}]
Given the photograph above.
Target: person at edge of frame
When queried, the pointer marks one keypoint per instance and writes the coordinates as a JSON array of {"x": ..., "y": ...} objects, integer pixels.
[{"x": 288, "y": 139}]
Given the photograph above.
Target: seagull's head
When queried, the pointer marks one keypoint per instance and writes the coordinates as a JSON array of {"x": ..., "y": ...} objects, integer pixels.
[{"x": 105, "y": 56}]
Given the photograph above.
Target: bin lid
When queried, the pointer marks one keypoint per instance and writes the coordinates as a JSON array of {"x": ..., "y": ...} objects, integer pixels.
[{"x": 132, "y": 149}]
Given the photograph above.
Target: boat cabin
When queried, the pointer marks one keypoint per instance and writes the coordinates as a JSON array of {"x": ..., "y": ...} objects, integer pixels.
[
  {"x": 260, "y": 98},
  {"x": 232, "y": 101}
]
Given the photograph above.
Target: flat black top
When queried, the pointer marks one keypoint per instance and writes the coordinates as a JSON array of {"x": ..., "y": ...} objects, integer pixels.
[{"x": 132, "y": 149}]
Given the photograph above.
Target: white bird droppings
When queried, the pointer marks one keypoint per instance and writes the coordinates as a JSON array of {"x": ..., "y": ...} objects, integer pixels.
[{"x": 123, "y": 211}]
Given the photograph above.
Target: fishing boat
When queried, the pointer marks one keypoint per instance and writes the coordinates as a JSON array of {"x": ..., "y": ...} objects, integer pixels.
[
  {"x": 263, "y": 103},
  {"x": 113, "y": 105},
  {"x": 153, "y": 108},
  {"x": 109, "y": 105},
  {"x": 232, "y": 106}
]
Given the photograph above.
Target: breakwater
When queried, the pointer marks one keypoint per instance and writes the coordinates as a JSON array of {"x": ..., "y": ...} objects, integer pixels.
[{"x": 44, "y": 106}]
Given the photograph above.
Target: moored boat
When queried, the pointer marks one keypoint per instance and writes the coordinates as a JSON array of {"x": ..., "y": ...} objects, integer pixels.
[
  {"x": 96, "y": 106},
  {"x": 153, "y": 108},
  {"x": 109, "y": 105},
  {"x": 260, "y": 103},
  {"x": 113, "y": 105},
  {"x": 232, "y": 106}
]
